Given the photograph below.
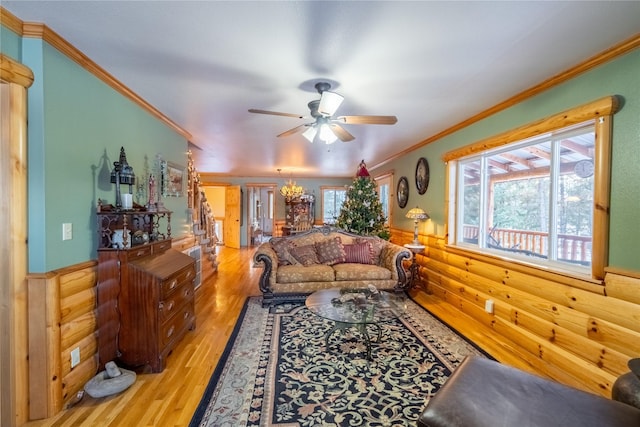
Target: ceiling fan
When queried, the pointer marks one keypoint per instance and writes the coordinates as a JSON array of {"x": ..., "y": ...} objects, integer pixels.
[{"x": 326, "y": 127}]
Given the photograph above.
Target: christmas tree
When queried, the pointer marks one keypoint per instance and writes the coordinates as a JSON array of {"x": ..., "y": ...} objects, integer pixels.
[{"x": 361, "y": 212}]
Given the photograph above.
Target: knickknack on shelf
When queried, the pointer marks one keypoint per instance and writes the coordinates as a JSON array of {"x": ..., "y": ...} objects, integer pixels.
[{"x": 173, "y": 179}]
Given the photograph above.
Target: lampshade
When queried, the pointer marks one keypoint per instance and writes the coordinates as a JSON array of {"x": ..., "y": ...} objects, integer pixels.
[
  {"x": 417, "y": 214},
  {"x": 329, "y": 103},
  {"x": 310, "y": 133},
  {"x": 327, "y": 135}
]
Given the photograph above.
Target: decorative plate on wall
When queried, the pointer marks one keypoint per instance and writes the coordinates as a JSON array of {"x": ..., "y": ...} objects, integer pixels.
[
  {"x": 402, "y": 193},
  {"x": 422, "y": 175}
]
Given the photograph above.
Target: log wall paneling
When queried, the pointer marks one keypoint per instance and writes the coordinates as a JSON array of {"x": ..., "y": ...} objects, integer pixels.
[
  {"x": 575, "y": 331},
  {"x": 62, "y": 316}
]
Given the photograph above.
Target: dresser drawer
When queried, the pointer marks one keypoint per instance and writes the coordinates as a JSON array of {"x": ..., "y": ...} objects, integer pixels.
[
  {"x": 161, "y": 246},
  {"x": 139, "y": 252},
  {"x": 177, "y": 324},
  {"x": 174, "y": 302},
  {"x": 174, "y": 281}
]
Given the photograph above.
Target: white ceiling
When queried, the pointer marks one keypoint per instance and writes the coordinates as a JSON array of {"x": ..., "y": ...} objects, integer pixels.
[{"x": 432, "y": 64}]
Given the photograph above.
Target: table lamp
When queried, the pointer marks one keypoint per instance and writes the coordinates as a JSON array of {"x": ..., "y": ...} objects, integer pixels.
[{"x": 416, "y": 214}]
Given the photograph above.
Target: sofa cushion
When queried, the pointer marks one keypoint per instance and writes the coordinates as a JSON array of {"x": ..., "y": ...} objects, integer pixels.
[
  {"x": 330, "y": 251},
  {"x": 300, "y": 273},
  {"x": 376, "y": 247},
  {"x": 306, "y": 255},
  {"x": 361, "y": 272},
  {"x": 282, "y": 246},
  {"x": 359, "y": 253}
]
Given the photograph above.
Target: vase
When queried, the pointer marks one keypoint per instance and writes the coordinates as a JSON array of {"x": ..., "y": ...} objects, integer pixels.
[{"x": 626, "y": 389}]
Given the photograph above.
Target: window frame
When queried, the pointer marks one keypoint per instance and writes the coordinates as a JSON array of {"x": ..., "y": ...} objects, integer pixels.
[
  {"x": 386, "y": 179},
  {"x": 601, "y": 113},
  {"x": 322, "y": 191}
]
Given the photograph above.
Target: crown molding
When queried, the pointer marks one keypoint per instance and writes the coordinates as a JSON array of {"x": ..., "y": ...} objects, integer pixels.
[
  {"x": 41, "y": 31},
  {"x": 10, "y": 21},
  {"x": 605, "y": 56}
]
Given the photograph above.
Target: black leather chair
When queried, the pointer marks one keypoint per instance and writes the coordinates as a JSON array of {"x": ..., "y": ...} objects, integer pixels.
[{"x": 484, "y": 393}]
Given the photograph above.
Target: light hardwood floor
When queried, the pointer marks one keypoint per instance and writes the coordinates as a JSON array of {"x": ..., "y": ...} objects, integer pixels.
[{"x": 171, "y": 397}]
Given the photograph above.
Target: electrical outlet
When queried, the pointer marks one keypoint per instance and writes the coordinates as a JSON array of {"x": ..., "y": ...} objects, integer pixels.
[
  {"x": 67, "y": 231},
  {"x": 488, "y": 306},
  {"x": 75, "y": 356}
]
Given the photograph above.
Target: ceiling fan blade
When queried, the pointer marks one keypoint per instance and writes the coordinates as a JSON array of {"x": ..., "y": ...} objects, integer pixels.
[
  {"x": 341, "y": 133},
  {"x": 294, "y": 130},
  {"x": 368, "y": 120},
  {"x": 274, "y": 113}
]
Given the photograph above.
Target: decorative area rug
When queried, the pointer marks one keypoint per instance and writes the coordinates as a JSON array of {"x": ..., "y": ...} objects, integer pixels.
[{"x": 277, "y": 371}]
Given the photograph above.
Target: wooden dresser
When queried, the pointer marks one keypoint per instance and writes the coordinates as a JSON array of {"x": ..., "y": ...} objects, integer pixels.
[
  {"x": 145, "y": 291},
  {"x": 156, "y": 308}
]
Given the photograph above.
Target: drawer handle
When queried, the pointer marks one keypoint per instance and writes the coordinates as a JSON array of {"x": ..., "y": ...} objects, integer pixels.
[
  {"x": 140, "y": 253},
  {"x": 173, "y": 284},
  {"x": 170, "y": 306},
  {"x": 189, "y": 274},
  {"x": 170, "y": 331},
  {"x": 186, "y": 314}
]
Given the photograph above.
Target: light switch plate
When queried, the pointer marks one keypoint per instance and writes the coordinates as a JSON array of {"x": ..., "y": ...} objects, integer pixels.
[
  {"x": 67, "y": 231},
  {"x": 75, "y": 356},
  {"x": 488, "y": 306}
]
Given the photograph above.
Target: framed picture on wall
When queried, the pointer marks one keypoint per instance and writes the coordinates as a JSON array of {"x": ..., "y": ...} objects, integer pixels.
[
  {"x": 422, "y": 175},
  {"x": 173, "y": 179},
  {"x": 402, "y": 192}
]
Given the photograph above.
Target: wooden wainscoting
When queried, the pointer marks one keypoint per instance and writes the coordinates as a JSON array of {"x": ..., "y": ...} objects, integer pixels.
[
  {"x": 577, "y": 332},
  {"x": 61, "y": 318}
]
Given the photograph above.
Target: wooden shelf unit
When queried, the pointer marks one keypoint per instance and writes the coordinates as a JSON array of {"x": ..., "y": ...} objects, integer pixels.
[{"x": 145, "y": 292}]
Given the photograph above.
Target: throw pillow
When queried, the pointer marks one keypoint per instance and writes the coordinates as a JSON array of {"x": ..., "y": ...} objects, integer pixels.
[
  {"x": 282, "y": 248},
  {"x": 305, "y": 255},
  {"x": 359, "y": 253},
  {"x": 376, "y": 247},
  {"x": 330, "y": 251}
]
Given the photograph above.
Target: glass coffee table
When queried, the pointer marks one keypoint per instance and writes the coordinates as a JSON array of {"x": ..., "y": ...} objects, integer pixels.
[{"x": 357, "y": 308}]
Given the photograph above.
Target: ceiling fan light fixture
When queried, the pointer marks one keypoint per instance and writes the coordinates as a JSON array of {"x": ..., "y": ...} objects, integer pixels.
[
  {"x": 329, "y": 103},
  {"x": 327, "y": 135},
  {"x": 310, "y": 133}
]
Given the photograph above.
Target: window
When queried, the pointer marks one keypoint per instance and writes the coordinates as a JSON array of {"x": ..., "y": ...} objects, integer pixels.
[
  {"x": 533, "y": 199},
  {"x": 332, "y": 199},
  {"x": 384, "y": 192}
]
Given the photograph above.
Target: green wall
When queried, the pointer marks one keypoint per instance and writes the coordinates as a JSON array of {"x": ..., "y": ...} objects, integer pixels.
[
  {"x": 619, "y": 77},
  {"x": 10, "y": 43},
  {"x": 74, "y": 121}
]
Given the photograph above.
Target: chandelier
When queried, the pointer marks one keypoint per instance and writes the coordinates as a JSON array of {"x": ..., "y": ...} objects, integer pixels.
[{"x": 290, "y": 190}]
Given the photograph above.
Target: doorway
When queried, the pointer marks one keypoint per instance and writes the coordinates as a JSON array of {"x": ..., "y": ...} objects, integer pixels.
[{"x": 260, "y": 213}]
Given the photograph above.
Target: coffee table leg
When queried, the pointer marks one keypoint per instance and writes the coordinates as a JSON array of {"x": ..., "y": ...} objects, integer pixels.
[{"x": 367, "y": 340}]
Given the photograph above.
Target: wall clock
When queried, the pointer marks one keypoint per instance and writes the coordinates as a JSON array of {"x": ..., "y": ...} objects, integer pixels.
[
  {"x": 402, "y": 192},
  {"x": 422, "y": 175}
]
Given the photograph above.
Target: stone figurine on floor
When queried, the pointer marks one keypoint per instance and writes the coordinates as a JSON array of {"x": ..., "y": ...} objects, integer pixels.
[{"x": 110, "y": 381}]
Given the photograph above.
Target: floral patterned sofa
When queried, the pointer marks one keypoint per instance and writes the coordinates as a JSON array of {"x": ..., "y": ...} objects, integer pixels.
[{"x": 327, "y": 257}]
